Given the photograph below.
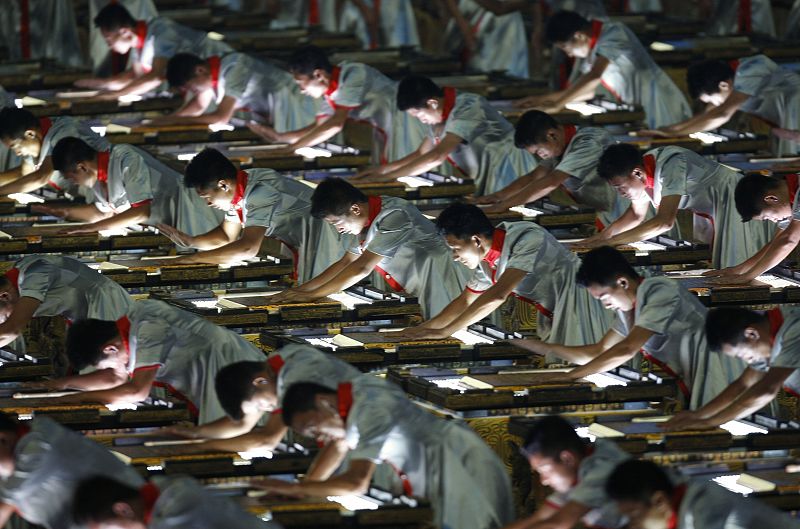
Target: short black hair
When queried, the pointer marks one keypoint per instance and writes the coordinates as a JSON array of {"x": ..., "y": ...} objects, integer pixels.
[
  {"x": 333, "y": 197},
  {"x": 750, "y": 192},
  {"x": 563, "y": 25},
  {"x": 307, "y": 59},
  {"x": 726, "y": 325},
  {"x": 71, "y": 151},
  {"x": 113, "y": 17},
  {"x": 414, "y": 91},
  {"x": 181, "y": 69},
  {"x": 86, "y": 339},
  {"x": 532, "y": 128},
  {"x": 551, "y": 435},
  {"x": 15, "y": 121},
  {"x": 95, "y": 497},
  {"x": 462, "y": 221},
  {"x": 703, "y": 78},
  {"x": 619, "y": 159},
  {"x": 602, "y": 266},
  {"x": 301, "y": 398},
  {"x": 637, "y": 480},
  {"x": 234, "y": 385},
  {"x": 7, "y": 423},
  {"x": 207, "y": 168}
]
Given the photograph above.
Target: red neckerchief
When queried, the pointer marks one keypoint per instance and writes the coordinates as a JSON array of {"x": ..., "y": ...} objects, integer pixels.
[
  {"x": 22, "y": 430},
  {"x": 649, "y": 163},
  {"x": 102, "y": 166},
  {"x": 149, "y": 494},
  {"x": 25, "y": 29},
  {"x": 344, "y": 395},
  {"x": 775, "y": 317},
  {"x": 238, "y": 193},
  {"x": 734, "y": 64},
  {"x": 569, "y": 133},
  {"x": 45, "y": 124},
  {"x": 745, "y": 16},
  {"x": 124, "y": 328},
  {"x": 597, "y": 27},
  {"x": 449, "y": 102},
  {"x": 677, "y": 498},
  {"x": 313, "y": 13},
  {"x": 275, "y": 363},
  {"x": 376, "y": 8},
  {"x": 141, "y": 33},
  {"x": 333, "y": 84},
  {"x": 13, "y": 277},
  {"x": 213, "y": 67},
  {"x": 374, "y": 205},
  {"x": 792, "y": 184},
  {"x": 491, "y": 257}
]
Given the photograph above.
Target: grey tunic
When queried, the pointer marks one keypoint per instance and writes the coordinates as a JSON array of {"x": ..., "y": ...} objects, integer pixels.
[
  {"x": 785, "y": 346},
  {"x": 415, "y": 257},
  {"x": 793, "y": 22},
  {"x": 64, "y": 127},
  {"x": 593, "y": 472},
  {"x": 183, "y": 503},
  {"x": 678, "y": 344},
  {"x": 487, "y": 153},
  {"x": 264, "y": 92},
  {"x": 187, "y": 350},
  {"x": 370, "y": 97},
  {"x": 566, "y": 313},
  {"x": 66, "y": 287},
  {"x": 303, "y": 363},
  {"x": 774, "y": 96},
  {"x": 707, "y": 189},
  {"x": 52, "y": 31},
  {"x": 282, "y": 205},
  {"x": 443, "y": 461},
  {"x": 707, "y": 505},
  {"x": 502, "y": 44},
  {"x": 579, "y": 161},
  {"x": 164, "y": 38},
  {"x": 726, "y": 16},
  {"x": 397, "y": 25},
  {"x": 49, "y": 463},
  {"x": 633, "y": 77},
  {"x": 136, "y": 178}
]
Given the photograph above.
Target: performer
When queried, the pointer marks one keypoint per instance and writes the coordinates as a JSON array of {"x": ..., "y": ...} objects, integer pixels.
[
  {"x": 672, "y": 178},
  {"x": 130, "y": 187},
  {"x": 373, "y": 421},
  {"x": 519, "y": 259},
  {"x": 388, "y": 235}
]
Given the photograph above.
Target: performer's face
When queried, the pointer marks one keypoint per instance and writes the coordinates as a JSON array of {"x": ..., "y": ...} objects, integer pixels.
[
  {"x": 559, "y": 474},
  {"x": 314, "y": 85},
  {"x": 655, "y": 515},
  {"x": 632, "y": 186},
  {"x": 467, "y": 252},
  {"x": 120, "y": 40},
  {"x": 619, "y": 296},
  {"x": 577, "y": 47}
]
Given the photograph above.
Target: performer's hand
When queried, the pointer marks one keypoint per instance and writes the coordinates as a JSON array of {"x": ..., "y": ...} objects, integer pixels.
[
  {"x": 278, "y": 486},
  {"x": 175, "y": 235},
  {"x": 367, "y": 173},
  {"x": 264, "y": 131},
  {"x": 532, "y": 101},
  {"x": 722, "y": 272},
  {"x": 421, "y": 332},
  {"x": 687, "y": 420},
  {"x": 653, "y": 133},
  {"x": 93, "y": 83},
  {"x": 485, "y": 199},
  {"x": 79, "y": 230},
  {"x": 787, "y": 134},
  {"x": 731, "y": 280},
  {"x": 531, "y": 344}
]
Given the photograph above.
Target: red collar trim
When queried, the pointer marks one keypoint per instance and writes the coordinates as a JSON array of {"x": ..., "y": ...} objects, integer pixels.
[
  {"x": 677, "y": 498},
  {"x": 649, "y": 163},
  {"x": 734, "y": 64},
  {"x": 498, "y": 238},
  {"x": 792, "y": 184},
  {"x": 775, "y": 317},
  {"x": 102, "y": 166},
  {"x": 313, "y": 13},
  {"x": 124, "y": 328},
  {"x": 141, "y": 33},
  {"x": 374, "y": 205},
  {"x": 449, "y": 102},
  {"x": 745, "y": 22},
  {"x": 569, "y": 133},
  {"x": 213, "y": 66},
  {"x": 333, "y": 84},
  {"x": 13, "y": 277},
  {"x": 344, "y": 394},
  {"x": 149, "y": 494},
  {"x": 597, "y": 27},
  {"x": 45, "y": 124},
  {"x": 22, "y": 430},
  {"x": 275, "y": 363}
]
